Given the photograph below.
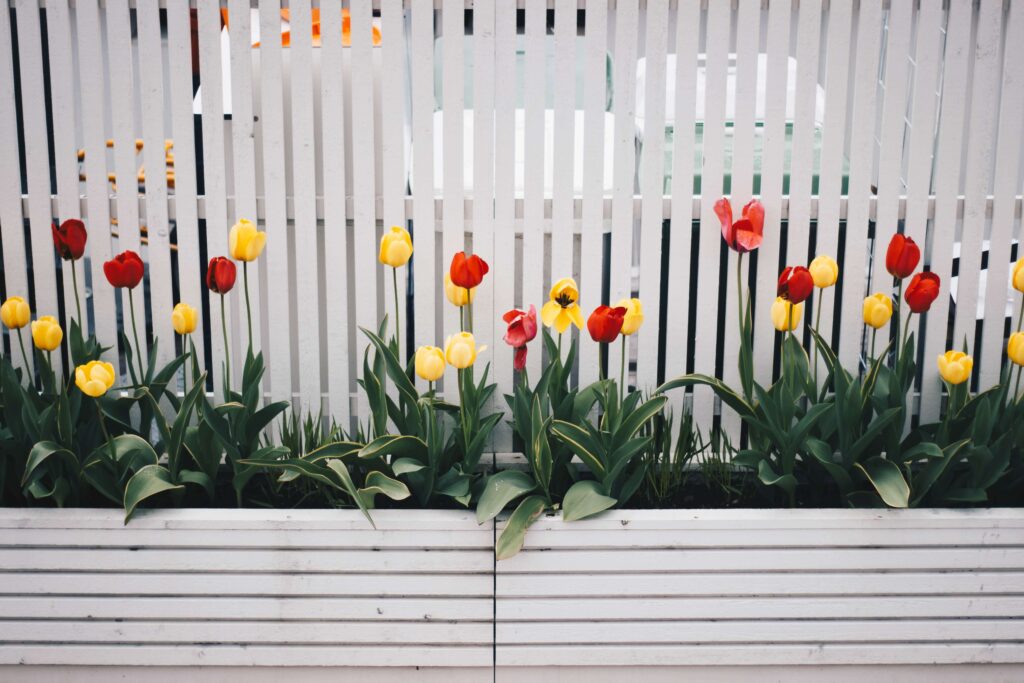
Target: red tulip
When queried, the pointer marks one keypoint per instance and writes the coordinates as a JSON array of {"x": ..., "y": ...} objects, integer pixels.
[
  {"x": 70, "y": 239},
  {"x": 902, "y": 256},
  {"x": 922, "y": 291},
  {"x": 795, "y": 284},
  {"x": 124, "y": 270},
  {"x": 605, "y": 323},
  {"x": 467, "y": 271},
  {"x": 220, "y": 275},
  {"x": 522, "y": 328},
  {"x": 745, "y": 234}
]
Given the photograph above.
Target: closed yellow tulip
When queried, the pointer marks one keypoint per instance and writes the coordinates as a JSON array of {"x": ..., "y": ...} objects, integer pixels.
[
  {"x": 1015, "y": 348},
  {"x": 94, "y": 378},
  {"x": 46, "y": 333},
  {"x": 955, "y": 366},
  {"x": 395, "y": 247},
  {"x": 563, "y": 309},
  {"x": 429, "y": 363},
  {"x": 184, "y": 317},
  {"x": 634, "y": 317},
  {"x": 459, "y": 296},
  {"x": 786, "y": 316},
  {"x": 824, "y": 271},
  {"x": 15, "y": 313},
  {"x": 460, "y": 350},
  {"x": 246, "y": 242},
  {"x": 877, "y": 310},
  {"x": 1018, "y": 275}
]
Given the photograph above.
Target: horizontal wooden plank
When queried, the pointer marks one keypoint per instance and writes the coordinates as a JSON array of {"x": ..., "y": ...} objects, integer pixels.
[
  {"x": 754, "y": 655},
  {"x": 236, "y": 655},
  {"x": 259, "y": 561},
  {"x": 243, "y": 674},
  {"x": 727, "y": 672},
  {"x": 772, "y": 560},
  {"x": 758, "y": 583},
  {"x": 758, "y": 631},
  {"x": 282, "y": 608},
  {"x": 245, "y": 632},
  {"x": 371, "y": 584},
  {"x": 766, "y": 607}
]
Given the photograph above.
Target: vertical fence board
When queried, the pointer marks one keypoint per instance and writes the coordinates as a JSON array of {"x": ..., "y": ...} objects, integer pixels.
[
  {"x": 808, "y": 39},
  {"x": 533, "y": 160},
  {"x": 563, "y": 152},
  {"x": 653, "y": 160},
  {"x": 454, "y": 121}
]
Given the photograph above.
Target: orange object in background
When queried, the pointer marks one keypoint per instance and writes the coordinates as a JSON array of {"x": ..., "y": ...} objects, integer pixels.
[{"x": 346, "y": 28}]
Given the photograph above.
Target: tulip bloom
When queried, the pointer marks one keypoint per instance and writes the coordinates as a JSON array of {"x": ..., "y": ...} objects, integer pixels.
[
  {"x": 395, "y": 247},
  {"x": 825, "y": 271},
  {"x": 877, "y": 310},
  {"x": 220, "y": 275},
  {"x": 184, "y": 318},
  {"x": 922, "y": 291},
  {"x": 46, "y": 333},
  {"x": 1015, "y": 348},
  {"x": 955, "y": 366},
  {"x": 1018, "y": 275},
  {"x": 563, "y": 308},
  {"x": 458, "y": 296},
  {"x": 795, "y": 284},
  {"x": 15, "y": 313},
  {"x": 605, "y": 323},
  {"x": 522, "y": 328},
  {"x": 634, "y": 317},
  {"x": 902, "y": 256},
  {"x": 460, "y": 350},
  {"x": 70, "y": 238},
  {"x": 429, "y": 363},
  {"x": 124, "y": 270},
  {"x": 245, "y": 242},
  {"x": 467, "y": 271},
  {"x": 743, "y": 235},
  {"x": 786, "y": 315},
  {"x": 94, "y": 378}
]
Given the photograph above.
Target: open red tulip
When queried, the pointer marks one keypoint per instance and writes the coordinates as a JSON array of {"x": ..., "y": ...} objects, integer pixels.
[
  {"x": 124, "y": 270},
  {"x": 795, "y": 284},
  {"x": 70, "y": 238},
  {"x": 467, "y": 271},
  {"x": 746, "y": 233},
  {"x": 522, "y": 328},
  {"x": 605, "y": 323},
  {"x": 922, "y": 292}
]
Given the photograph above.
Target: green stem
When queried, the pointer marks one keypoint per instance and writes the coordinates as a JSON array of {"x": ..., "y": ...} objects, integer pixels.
[
  {"x": 103, "y": 428},
  {"x": 817, "y": 331},
  {"x": 398, "y": 324},
  {"x": 78, "y": 304},
  {"x": 602, "y": 353},
  {"x": 559, "y": 346},
  {"x": 874, "y": 333},
  {"x": 739, "y": 291},
  {"x": 248, "y": 308},
  {"x": 622, "y": 370},
  {"x": 1016, "y": 386},
  {"x": 462, "y": 412},
  {"x": 906, "y": 334},
  {"x": 24, "y": 356},
  {"x": 135, "y": 334},
  {"x": 469, "y": 312},
  {"x": 227, "y": 350},
  {"x": 1020, "y": 316}
]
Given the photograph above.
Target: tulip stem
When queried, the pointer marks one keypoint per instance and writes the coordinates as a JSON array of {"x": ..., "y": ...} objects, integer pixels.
[
  {"x": 430, "y": 388},
  {"x": 227, "y": 351},
  {"x": 78, "y": 304},
  {"x": 622, "y": 370},
  {"x": 906, "y": 334},
  {"x": 1020, "y": 316},
  {"x": 24, "y": 356},
  {"x": 739, "y": 291},
  {"x": 135, "y": 333},
  {"x": 1016, "y": 386},
  {"x": 602, "y": 358},
  {"x": 469, "y": 311},
  {"x": 248, "y": 308},
  {"x": 398, "y": 324},
  {"x": 817, "y": 331},
  {"x": 874, "y": 333},
  {"x": 106, "y": 434}
]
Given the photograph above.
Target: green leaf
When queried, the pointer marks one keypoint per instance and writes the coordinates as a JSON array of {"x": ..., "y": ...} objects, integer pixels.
[
  {"x": 512, "y": 536},
  {"x": 638, "y": 418},
  {"x": 338, "y": 449},
  {"x": 339, "y": 469},
  {"x": 769, "y": 477},
  {"x": 378, "y": 482},
  {"x": 48, "y": 451},
  {"x": 887, "y": 478},
  {"x": 929, "y": 474},
  {"x": 724, "y": 392},
  {"x": 584, "y": 499},
  {"x": 402, "y": 466},
  {"x": 499, "y": 490},
  {"x": 147, "y": 482},
  {"x": 581, "y": 443},
  {"x": 396, "y": 445}
]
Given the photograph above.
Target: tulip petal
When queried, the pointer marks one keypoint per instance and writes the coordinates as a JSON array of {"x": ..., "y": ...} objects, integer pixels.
[
  {"x": 576, "y": 315},
  {"x": 549, "y": 312}
]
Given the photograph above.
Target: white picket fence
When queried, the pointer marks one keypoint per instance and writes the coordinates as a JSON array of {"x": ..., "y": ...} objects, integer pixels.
[{"x": 552, "y": 137}]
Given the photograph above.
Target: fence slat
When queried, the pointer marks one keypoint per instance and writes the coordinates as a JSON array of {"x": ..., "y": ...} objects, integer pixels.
[
  {"x": 453, "y": 121},
  {"x": 563, "y": 147},
  {"x": 191, "y": 269},
  {"x": 653, "y": 161},
  {"x": 533, "y": 159},
  {"x": 1006, "y": 181},
  {"x": 151, "y": 103},
  {"x": 808, "y": 39},
  {"x": 620, "y": 260}
]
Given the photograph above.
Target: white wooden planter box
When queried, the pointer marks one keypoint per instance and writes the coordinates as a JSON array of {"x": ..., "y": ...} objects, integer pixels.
[
  {"x": 258, "y": 589},
  {"x": 765, "y": 595}
]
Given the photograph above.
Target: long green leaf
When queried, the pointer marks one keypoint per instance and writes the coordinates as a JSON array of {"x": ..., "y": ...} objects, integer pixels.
[
  {"x": 887, "y": 478},
  {"x": 146, "y": 483},
  {"x": 585, "y": 499},
  {"x": 512, "y": 536},
  {"x": 499, "y": 490}
]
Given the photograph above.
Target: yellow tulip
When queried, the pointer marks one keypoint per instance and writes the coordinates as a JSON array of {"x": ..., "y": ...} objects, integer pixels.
[
  {"x": 877, "y": 310},
  {"x": 1015, "y": 348},
  {"x": 563, "y": 308},
  {"x": 429, "y": 363},
  {"x": 634, "y": 317},
  {"x": 786, "y": 316},
  {"x": 246, "y": 242},
  {"x": 1018, "y": 275},
  {"x": 94, "y": 378},
  {"x": 184, "y": 317},
  {"x": 457, "y": 295},
  {"x": 15, "y": 313},
  {"x": 395, "y": 247},
  {"x": 955, "y": 366},
  {"x": 460, "y": 350},
  {"x": 46, "y": 333},
  {"x": 824, "y": 271}
]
